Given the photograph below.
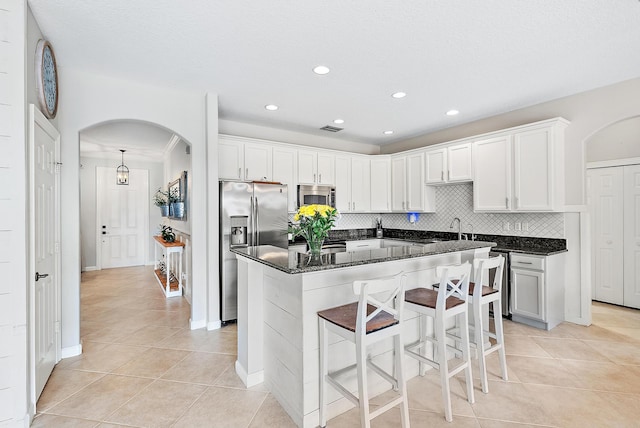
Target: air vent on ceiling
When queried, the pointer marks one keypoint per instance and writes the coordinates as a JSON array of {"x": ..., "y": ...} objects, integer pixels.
[{"x": 331, "y": 128}]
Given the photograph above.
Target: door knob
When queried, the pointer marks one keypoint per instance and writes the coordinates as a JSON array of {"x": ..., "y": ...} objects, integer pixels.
[
  {"x": 104, "y": 233},
  {"x": 39, "y": 275}
]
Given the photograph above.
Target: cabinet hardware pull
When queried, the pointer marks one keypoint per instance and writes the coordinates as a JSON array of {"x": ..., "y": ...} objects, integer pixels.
[
  {"x": 516, "y": 202},
  {"x": 246, "y": 176},
  {"x": 448, "y": 175},
  {"x": 442, "y": 175},
  {"x": 319, "y": 178},
  {"x": 354, "y": 206},
  {"x": 314, "y": 178},
  {"x": 239, "y": 172},
  {"x": 506, "y": 201},
  {"x": 524, "y": 263}
]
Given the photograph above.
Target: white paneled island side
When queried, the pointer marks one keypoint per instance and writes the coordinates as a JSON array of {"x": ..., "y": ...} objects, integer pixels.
[{"x": 279, "y": 294}]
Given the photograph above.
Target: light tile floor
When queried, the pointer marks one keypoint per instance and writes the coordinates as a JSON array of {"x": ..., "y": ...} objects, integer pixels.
[{"x": 141, "y": 366}]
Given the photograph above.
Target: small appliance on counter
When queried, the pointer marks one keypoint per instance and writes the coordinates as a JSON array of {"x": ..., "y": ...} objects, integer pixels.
[
  {"x": 378, "y": 228},
  {"x": 250, "y": 214}
]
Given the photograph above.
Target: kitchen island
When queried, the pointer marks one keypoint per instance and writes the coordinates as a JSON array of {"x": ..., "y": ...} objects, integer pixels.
[{"x": 279, "y": 295}]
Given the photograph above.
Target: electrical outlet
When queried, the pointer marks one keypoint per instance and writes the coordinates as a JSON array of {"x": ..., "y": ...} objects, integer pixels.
[
  {"x": 525, "y": 226},
  {"x": 506, "y": 225},
  {"x": 517, "y": 226}
]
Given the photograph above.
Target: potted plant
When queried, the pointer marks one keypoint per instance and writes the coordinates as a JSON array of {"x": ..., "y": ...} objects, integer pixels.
[
  {"x": 161, "y": 199},
  {"x": 314, "y": 223},
  {"x": 167, "y": 233},
  {"x": 177, "y": 204}
]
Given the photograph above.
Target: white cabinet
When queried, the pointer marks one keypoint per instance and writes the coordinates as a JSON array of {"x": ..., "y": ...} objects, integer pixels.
[
  {"x": 285, "y": 171},
  {"x": 521, "y": 170},
  {"x": 380, "y": 183},
  {"x": 365, "y": 244},
  {"x": 244, "y": 160},
  {"x": 315, "y": 167},
  {"x": 537, "y": 290},
  {"x": 448, "y": 164},
  {"x": 408, "y": 191},
  {"x": 352, "y": 184}
]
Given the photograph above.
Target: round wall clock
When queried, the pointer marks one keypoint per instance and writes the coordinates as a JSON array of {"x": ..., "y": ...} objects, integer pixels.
[{"x": 46, "y": 79}]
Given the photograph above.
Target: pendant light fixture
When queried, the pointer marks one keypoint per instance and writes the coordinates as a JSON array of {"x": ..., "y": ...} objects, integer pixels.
[{"x": 122, "y": 177}]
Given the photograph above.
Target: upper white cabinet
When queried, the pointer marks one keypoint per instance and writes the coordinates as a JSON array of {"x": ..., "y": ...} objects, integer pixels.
[
  {"x": 448, "y": 164},
  {"x": 243, "y": 160},
  {"x": 315, "y": 167},
  {"x": 521, "y": 170},
  {"x": 285, "y": 171},
  {"x": 380, "y": 183},
  {"x": 352, "y": 183},
  {"x": 407, "y": 182}
]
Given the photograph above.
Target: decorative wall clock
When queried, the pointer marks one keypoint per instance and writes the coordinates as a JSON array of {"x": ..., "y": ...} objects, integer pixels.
[{"x": 46, "y": 79}]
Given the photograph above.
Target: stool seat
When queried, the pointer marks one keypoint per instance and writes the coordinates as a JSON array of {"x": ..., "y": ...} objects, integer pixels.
[
  {"x": 428, "y": 298},
  {"x": 485, "y": 290},
  {"x": 345, "y": 316}
]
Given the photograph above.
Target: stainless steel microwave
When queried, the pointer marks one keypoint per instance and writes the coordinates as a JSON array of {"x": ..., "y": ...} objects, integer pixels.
[{"x": 322, "y": 195}]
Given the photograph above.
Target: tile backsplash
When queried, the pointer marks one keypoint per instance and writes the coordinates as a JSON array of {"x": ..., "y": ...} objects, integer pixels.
[{"x": 457, "y": 201}]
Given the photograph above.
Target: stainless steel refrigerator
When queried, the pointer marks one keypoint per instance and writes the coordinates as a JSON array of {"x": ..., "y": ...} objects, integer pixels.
[{"x": 250, "y": 214}]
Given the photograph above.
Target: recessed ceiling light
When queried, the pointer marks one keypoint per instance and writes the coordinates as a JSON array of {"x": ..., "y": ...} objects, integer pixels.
[
  {"x": 321, "y": 69},
  {"x": 398, "y": 95},
  {"x": 388, "y": 132},
  {"x": 338, "y": 121},
  {"x": 271, "y": 107},
  {"x": 452, "y": 112}
]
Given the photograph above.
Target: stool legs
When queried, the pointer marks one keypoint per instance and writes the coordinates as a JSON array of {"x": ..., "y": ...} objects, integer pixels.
[
  {"x": 363, "y": 393},
  {"x": 480, "y": 346},
  {"x": 324, "y": 371},
  {"x": 398, "y": 350},
  {"x": 500, "y": 339},
  {"x": 466, "y": 356}
]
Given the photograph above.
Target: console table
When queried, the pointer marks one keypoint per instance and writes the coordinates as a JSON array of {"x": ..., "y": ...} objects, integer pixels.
[{"x": 171, "y": 280}]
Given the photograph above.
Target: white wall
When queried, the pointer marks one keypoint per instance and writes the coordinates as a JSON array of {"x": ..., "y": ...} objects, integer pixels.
[
  {"x": 88, "y": 99},
  {"x": 88, "y": 226},
  {"x": 620, "y": 140},
  {"x": 14, "y": 375},
  {"x": 267, "y": 133},
  {"x": 176, "y": 161}
]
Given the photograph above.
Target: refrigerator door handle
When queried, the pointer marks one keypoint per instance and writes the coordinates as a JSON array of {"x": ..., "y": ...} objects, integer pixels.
[
  {"x": 257, "y": 217},
  {"x": 251, "y": 223}
]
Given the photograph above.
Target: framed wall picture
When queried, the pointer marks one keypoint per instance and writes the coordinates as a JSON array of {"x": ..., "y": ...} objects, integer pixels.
[{"x": 178, "y": 197}]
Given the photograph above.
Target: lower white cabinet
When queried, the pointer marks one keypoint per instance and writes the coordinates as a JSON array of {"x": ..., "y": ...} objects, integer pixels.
[{"x": 537, "y": 289}]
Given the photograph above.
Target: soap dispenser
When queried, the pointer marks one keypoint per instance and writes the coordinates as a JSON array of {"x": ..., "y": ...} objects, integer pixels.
[{"x": 379, "y": 228}]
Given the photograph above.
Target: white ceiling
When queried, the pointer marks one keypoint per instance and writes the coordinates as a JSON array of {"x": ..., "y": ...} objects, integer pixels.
[{"x": 479, "y": 57}]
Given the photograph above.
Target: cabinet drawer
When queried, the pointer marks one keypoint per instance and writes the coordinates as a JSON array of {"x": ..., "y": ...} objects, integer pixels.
[{"x": 527, "y": 261}]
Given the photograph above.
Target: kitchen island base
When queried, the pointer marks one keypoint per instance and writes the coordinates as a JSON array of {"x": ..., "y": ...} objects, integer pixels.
[{"x": 278, "y": 328}]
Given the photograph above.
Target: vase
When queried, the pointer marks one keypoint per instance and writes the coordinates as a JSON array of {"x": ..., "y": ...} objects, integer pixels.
[
  {"x": 164, "y": 210},
  {"x": 177, "y": 209},
  {"x": 315, "y": 246}
]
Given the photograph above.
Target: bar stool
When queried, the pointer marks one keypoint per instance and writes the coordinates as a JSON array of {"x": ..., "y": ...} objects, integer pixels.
[
  {"x": 482, "y": 293},
  {"x": 448, "y": 302},
  {"x": 376, "y": 316}
]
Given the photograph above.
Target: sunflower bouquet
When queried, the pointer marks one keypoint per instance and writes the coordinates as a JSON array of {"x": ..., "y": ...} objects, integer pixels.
[{"x": 314, "y": 223}]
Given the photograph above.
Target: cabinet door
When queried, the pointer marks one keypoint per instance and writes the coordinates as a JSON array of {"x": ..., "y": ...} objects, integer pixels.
[
  {"x": 284, "y": 171},
  {"x": 435, "y": 164},
  {"x": 307, "y": 167},
  {"x": 343, "y": 183},
  {"x": 230, "y": 159},
  {"x": 360, "y": 184},
  {"x": 492, "y": 174},
  {"x": 257, "y": 162},
  {"x": 415, "y": 182},
  {"x": 366, "y": 244},
  {"x": 326, "y": 165},
  {"x": 459, "y": 163},
  {"x": 380, "y": 184},
  {"x": 398, "y": 178},
  {"x": 527, "y": 293},
  {"x": 533, "y": 170}
]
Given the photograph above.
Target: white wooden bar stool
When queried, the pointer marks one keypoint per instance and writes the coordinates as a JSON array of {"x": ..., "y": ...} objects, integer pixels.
[
  {"x": 448, "y": 302},
  {"x": 376, "y": 316},
  {"x": 482, "y": 293}
]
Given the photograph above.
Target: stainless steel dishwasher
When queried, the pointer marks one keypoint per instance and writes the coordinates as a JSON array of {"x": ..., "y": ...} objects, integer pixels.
[{"x": 506, "y": 281}]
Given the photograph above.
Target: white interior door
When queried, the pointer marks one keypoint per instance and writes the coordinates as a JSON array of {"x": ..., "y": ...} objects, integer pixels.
[
  {"x": 607, "y": 240},
  {"x": 44, "y": 150},
  {"x": 122, "y": 218},
  {"x": 632, "y": 236}
]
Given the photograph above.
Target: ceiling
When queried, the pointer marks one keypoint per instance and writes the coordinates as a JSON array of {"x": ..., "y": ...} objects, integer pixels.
[{"x": 479, "y": 57}]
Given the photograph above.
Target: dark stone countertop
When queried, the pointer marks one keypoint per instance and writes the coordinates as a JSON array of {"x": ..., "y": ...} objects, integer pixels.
[{"x": 293, "y": 262}]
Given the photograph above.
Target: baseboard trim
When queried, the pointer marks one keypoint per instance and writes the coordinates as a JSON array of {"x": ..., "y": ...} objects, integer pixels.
[
  {"x": 150, "y": 263},
  {"x": 71, "y": 351},
  {"x": 214, "y": 325},
  {"x": 194, "y": 325},
  {"x": 90, "y": 268},
  {"x": 249, "y": 380}
]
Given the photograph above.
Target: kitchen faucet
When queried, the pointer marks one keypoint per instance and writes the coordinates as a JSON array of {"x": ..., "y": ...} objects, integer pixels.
[{"x": 459, "y": 227}]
